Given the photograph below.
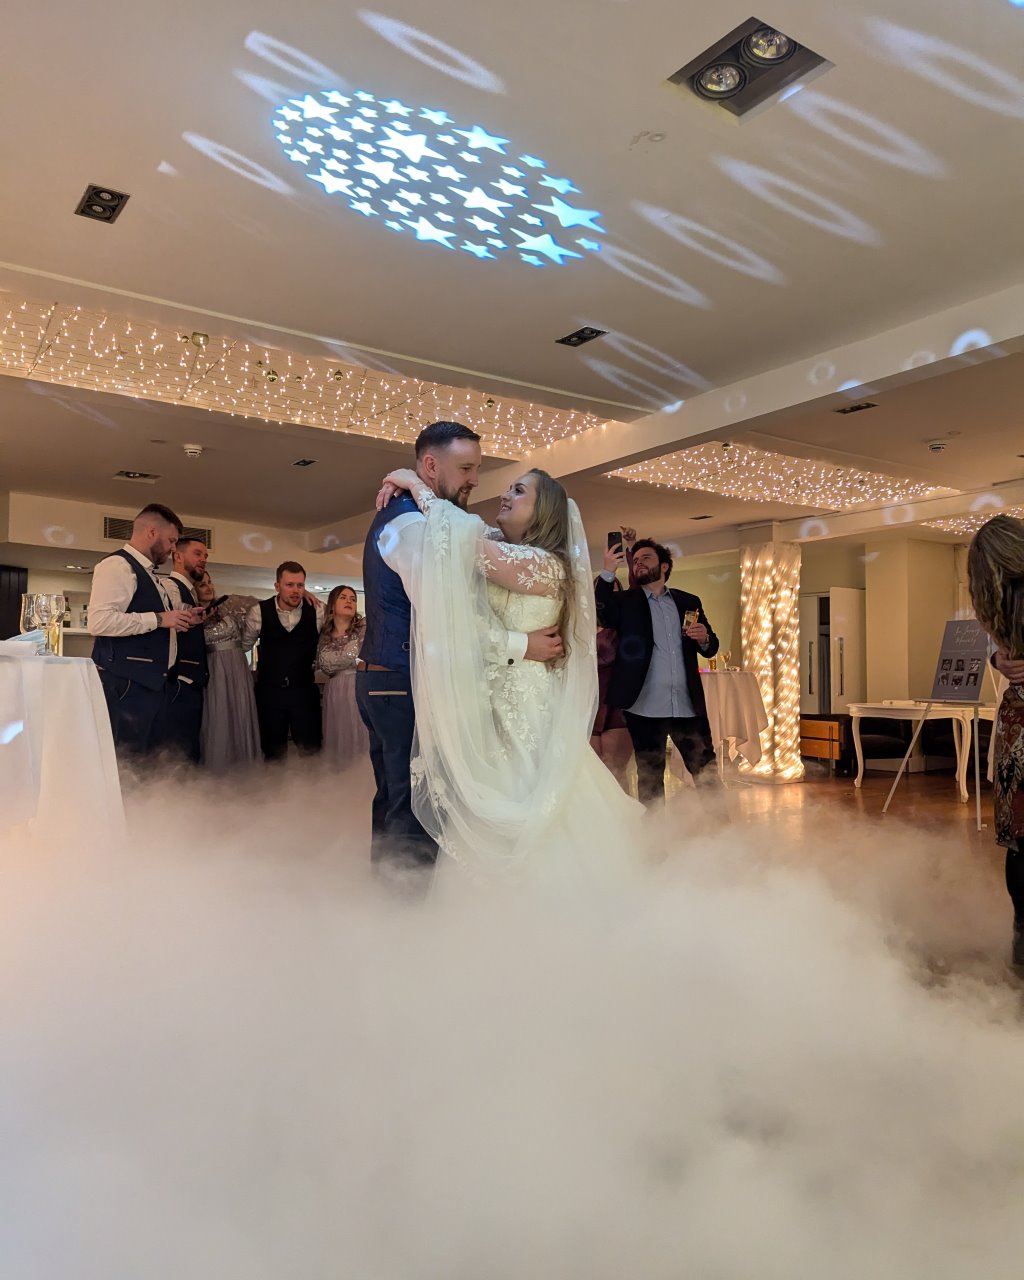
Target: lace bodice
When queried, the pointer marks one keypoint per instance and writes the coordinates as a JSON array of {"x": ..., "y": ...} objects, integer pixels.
[{"x": 521, "y": 612}]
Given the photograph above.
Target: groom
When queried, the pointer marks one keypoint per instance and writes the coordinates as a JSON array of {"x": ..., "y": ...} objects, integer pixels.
[{"x": 448, "y": 461}]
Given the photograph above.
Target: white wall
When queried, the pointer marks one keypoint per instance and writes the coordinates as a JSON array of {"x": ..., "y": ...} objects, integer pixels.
[
  {"x": 40, "y": 521},
  {"x": 911, "y": 594},
  {"x": 824, "y": 565},
  {"x": 718, "y": 586}
]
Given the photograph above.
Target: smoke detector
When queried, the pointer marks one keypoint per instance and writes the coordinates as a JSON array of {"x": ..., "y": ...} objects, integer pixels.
[{"x": 193, "y": 450}]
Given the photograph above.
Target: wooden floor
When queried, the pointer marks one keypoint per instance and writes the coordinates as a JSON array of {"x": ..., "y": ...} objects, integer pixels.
[{"x": 926, "y": 802}]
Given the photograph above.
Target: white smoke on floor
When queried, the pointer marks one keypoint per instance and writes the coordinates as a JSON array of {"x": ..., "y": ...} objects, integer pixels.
[{"x": 223, "y": 1057}]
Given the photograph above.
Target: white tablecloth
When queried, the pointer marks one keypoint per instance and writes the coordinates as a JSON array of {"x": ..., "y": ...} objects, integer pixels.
[
  {"x": 57, "y": 763},
  {"x": 735, "y": 711}
]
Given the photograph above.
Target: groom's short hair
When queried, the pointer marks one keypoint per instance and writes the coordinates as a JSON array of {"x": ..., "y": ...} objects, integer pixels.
[{"x": 439, "y": 435}]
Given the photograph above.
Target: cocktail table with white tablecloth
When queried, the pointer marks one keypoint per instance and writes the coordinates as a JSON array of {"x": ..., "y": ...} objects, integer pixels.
[
  {"x": 735, "y": 712},
  {"x": 57, "y": 763}
]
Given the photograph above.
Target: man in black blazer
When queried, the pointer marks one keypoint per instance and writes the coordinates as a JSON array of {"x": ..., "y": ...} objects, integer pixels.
[{"x": 655, "y": 678}]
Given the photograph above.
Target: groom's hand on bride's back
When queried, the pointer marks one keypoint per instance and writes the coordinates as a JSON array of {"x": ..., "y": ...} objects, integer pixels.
[{"x": 544, "y": 646}]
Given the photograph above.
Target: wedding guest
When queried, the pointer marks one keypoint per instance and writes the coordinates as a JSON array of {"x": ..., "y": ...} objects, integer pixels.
[
  {"x": 610, "y": 738},
  {"x": 185, "y": 710},
  {"x": 136, "y": 626},
  {"x": 655, "y": 679},
  {"x": 345, "y": 737},
  {"x": 231, "y": 733},
  {"x": 287, "y": 627},
  {"x": 995, "y": 567}
]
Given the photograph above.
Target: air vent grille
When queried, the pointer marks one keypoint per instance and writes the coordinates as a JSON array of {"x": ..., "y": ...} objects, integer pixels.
[
  {"x": 117, "y": 529},
  {"x": 856, "y": 408}
]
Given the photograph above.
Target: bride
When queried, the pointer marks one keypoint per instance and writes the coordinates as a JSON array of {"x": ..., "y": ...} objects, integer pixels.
[{"x": 504, "y": 778}]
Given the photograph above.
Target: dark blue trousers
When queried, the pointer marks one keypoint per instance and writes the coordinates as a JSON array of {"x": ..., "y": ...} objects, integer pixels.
[
  {"x": 138, "y": 716},
  {"x": 398, "y": 842}
]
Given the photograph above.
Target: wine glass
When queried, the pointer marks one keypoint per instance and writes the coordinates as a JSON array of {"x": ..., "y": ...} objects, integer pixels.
[
  {"x": 726, "y": 659},
  {"x": 28, "y": 621},
  {"x": 49, "y": 610}
]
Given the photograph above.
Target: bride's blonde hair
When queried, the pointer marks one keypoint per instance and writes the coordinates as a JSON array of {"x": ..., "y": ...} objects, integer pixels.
[{"x": 549, "y": 530}]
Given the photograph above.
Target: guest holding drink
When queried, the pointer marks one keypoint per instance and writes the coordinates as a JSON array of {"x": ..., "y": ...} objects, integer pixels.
[
  {"x": 230, "y": 737},
  {"x": 345, "y": 736},
  {"x": 610, "y": 738}
]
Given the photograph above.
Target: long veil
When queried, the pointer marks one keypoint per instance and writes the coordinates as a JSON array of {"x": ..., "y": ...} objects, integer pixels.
[{"x": 479, "y": 790}]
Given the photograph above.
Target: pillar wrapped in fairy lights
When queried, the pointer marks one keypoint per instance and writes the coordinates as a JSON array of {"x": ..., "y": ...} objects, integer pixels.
[{"x": 770, "y": 629}]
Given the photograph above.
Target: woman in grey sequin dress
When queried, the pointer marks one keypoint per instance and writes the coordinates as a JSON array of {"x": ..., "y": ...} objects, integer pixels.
[
  {"x": 230, "y": 737},
  {"x": 345, "y": 738}
]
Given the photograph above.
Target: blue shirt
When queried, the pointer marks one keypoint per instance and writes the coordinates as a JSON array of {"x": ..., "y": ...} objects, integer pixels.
[{"x": 666, "y": 692}]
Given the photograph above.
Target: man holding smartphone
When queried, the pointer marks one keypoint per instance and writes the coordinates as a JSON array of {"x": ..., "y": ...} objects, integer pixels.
[
  {"x": 190, "y": 672},
  {"x": 655, "y": 679}
]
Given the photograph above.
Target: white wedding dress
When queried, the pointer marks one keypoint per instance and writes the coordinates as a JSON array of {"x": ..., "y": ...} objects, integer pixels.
[{"x": 504, "y": 777}]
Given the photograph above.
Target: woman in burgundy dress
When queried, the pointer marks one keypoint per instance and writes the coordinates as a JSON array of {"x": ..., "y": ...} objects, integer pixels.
[
  {"x": 995, "y": 565},
  {"x": 610, "y": 737}
]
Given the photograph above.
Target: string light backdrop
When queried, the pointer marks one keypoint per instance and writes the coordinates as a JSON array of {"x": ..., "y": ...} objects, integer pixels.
[
  {"x": 770, "y": 633},
  {"x": 968, "y": 525},
  {"x": 98, "y": 351},
  {"x": 756, "y": 475}
]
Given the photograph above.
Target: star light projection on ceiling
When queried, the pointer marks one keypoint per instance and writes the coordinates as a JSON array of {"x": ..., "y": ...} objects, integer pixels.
[
  {"x": 418, "y": 171},
  {"x": 97, "y": 351},
  {"x": 755, "y": 475}
]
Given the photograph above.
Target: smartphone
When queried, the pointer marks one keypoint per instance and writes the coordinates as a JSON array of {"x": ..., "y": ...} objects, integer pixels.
[{"x": 615, "y": 540}]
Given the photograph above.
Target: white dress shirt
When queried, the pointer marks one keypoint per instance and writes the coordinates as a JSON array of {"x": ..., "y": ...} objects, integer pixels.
[
  {"x": 288, "y": 618},
  {"x": 400, "y": 544},
  {"x": 189, "y": 586},
  {"x": 113, "y": 586}
]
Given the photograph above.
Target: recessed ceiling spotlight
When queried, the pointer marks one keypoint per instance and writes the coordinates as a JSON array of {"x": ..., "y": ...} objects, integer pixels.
[
  {"x": 856, "y": 408},
  {"x": 79, "y": 568},
  {"x": 587, "y": 334},
  {"x": 749, "y": 67},
  {"x": 140, "y": 477},
  {"x": 101, "y": 203},
  {"x": 304, "y": 462},
  {"x": 720, "y": 80},
  {"x": 701, "y": 517},
  {"x": 766, "y": 45},
  {"x": 199, "y": 339}
]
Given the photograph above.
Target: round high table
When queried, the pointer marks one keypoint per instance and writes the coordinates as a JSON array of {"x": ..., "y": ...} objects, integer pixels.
[
  {"x": 58, "y": 771},
  {"x": 736, "y": 715}
]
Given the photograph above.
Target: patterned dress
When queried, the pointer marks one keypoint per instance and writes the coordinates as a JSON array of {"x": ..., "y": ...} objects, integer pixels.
[
  {"x": 1008, "y": 774},
  {"x": 230, "y": 736},
  {"x": 345, "y": 738}
]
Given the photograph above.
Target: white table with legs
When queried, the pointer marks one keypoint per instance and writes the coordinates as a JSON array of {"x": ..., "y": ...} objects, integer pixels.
[{"x": 961, "y": 717}]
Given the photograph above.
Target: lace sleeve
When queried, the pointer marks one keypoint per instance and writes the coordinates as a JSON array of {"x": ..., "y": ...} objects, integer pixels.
[{"x": 524, "y": 570}]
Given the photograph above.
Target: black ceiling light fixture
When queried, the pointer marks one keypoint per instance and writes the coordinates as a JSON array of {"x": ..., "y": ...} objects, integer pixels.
[
  {"x": 749, "y": 67},
  {"x": 304, "y": 462},
  {"x": 859, "y": 407},
  {"x": 102, "y": 203},
  {"x": 587, "y": 334}
]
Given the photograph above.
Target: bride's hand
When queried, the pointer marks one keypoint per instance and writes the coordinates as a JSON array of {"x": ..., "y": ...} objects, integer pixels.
[{"x": 402, "y": 479}]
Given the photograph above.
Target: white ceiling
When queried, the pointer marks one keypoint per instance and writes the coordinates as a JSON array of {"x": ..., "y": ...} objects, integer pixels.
[
  {"x": 919, "y": 178},
  {"x": 905, "y": 146}
]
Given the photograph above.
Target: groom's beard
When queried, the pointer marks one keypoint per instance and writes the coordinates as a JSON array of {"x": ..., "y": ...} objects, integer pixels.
[{"x": 460, "y": 497}]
